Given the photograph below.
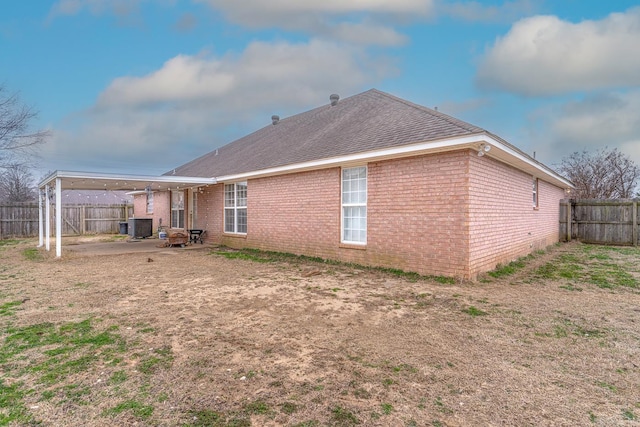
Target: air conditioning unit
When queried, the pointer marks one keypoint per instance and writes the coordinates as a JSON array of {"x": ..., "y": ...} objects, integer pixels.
[{"x": 139, "y": 228}]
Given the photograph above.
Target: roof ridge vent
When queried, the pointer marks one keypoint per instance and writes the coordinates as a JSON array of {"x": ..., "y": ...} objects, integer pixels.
[
  {"x": 334, "y": 98},
  {"x": 275, "y": 119}
]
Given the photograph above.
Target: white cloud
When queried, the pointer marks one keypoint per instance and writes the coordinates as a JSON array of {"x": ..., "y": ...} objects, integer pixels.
[
  {"x": 181, "y": 78},
  {"x": 193, "y": 104},
  {"x": 363, "y": 22},
  {"x": 476, "y": 11},
  {"x": 259, "y": 13},
  {"x": 131, "y": 141},
  {"x": 365, "y": 33},
  {"x": 599, "y": 118},
  {"x": 126, "y": 11},
  {"x": 265, "y": 73},
  {"x": 544, "y": 55},
  {"x": 597, "y": 121}
]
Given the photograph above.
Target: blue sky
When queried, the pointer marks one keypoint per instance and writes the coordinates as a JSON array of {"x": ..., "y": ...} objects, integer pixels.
[{"x": 142, "y": 86}]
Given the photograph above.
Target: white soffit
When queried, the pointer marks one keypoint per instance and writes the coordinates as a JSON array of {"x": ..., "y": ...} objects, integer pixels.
[
  {"x": 500, "y": 151},
  {"x": 113, "y": 182}
]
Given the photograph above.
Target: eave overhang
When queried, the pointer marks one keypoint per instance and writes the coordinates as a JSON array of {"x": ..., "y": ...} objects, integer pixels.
[
  {"x": 71, "y": 180},
  {"x": 499, "y": 150}
]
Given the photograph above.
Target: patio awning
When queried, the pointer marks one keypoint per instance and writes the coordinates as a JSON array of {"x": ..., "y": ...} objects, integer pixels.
[{"x": 69, "y": 180}]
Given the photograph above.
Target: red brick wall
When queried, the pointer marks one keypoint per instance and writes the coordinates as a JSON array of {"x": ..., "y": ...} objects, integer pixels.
[
  {"x": 503, "y": 223},
  {"x": 452, "y": 214},
  {"x": 161, "y": 208},
  {"x": 297, "y": 213},
  {"x": 416, "y": 215},
  {"x": 210, "y": 212}
]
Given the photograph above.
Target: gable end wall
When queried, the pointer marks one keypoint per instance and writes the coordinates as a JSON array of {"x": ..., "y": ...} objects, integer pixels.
[{"x": 503, "y": 223}]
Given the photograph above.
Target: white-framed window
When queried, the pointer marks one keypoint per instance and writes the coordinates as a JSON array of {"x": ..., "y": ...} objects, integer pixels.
[
  {"x": 149, "y": 202},
  {"x": 535, "y": 193},
  {"x": 235, "y": 208},
  {"x": 177, "y": 209},
  {"x": 354, "y": 205}
]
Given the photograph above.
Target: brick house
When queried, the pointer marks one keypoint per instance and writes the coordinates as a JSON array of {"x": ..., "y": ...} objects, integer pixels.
[{"x": 371, "y": 179}]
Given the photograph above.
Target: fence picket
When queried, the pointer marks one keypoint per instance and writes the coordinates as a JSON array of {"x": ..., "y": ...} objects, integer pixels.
[
  {"x": 613, "y": 221},
  {"x": 21, "y": 220}
]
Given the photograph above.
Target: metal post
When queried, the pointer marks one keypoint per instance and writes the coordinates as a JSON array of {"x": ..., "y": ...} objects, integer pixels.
[
  {"x": 58, "y": 217},
  {"x": 47, "y": 218}
]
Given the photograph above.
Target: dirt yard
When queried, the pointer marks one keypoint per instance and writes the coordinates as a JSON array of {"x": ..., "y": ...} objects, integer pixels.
[{"x": 210, "y": 337}]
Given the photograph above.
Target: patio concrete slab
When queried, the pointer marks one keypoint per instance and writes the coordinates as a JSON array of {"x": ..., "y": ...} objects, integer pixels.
[{"x": 131, "y": 246}]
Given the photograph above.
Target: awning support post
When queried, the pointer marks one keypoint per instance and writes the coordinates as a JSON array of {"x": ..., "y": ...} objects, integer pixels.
[
  {"x": 58, "y": 217},
  {"x": 47, "y": 220},
  {"x": 40, "y": 220}
]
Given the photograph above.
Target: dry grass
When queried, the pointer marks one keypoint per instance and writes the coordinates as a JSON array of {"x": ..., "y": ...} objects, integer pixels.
[{"x": 201, "y": 339}]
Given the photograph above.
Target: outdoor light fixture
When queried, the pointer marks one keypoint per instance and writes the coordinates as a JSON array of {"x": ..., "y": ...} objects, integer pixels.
[{"x": 484, "y": 148}]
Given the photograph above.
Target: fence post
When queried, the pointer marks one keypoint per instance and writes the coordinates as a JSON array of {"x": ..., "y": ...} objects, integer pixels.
[
  {"x": 569, "y": 216},
  {"x": 83, "y": 220},
  {"x": 634, "y": 228}
]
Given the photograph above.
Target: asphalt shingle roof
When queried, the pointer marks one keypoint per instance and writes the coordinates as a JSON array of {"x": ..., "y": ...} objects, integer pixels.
[{"x": 371, "y": 120}]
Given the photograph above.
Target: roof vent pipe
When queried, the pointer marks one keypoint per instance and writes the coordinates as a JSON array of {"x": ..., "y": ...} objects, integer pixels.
[
  {"x": 275, "y": 119},
  {"x": 334, "y": 99}
]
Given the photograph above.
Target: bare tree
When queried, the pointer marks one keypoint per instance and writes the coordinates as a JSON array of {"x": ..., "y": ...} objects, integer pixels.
[
  {"x": 17, "y": 139},
  {"x": 17, "y": 184},
  {"x": 605, "y": 174}
]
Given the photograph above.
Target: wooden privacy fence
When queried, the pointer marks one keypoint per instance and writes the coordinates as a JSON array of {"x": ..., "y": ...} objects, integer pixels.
[
  {"x": 613, "y": 222},
  {"x": 21, "y": 220}
]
